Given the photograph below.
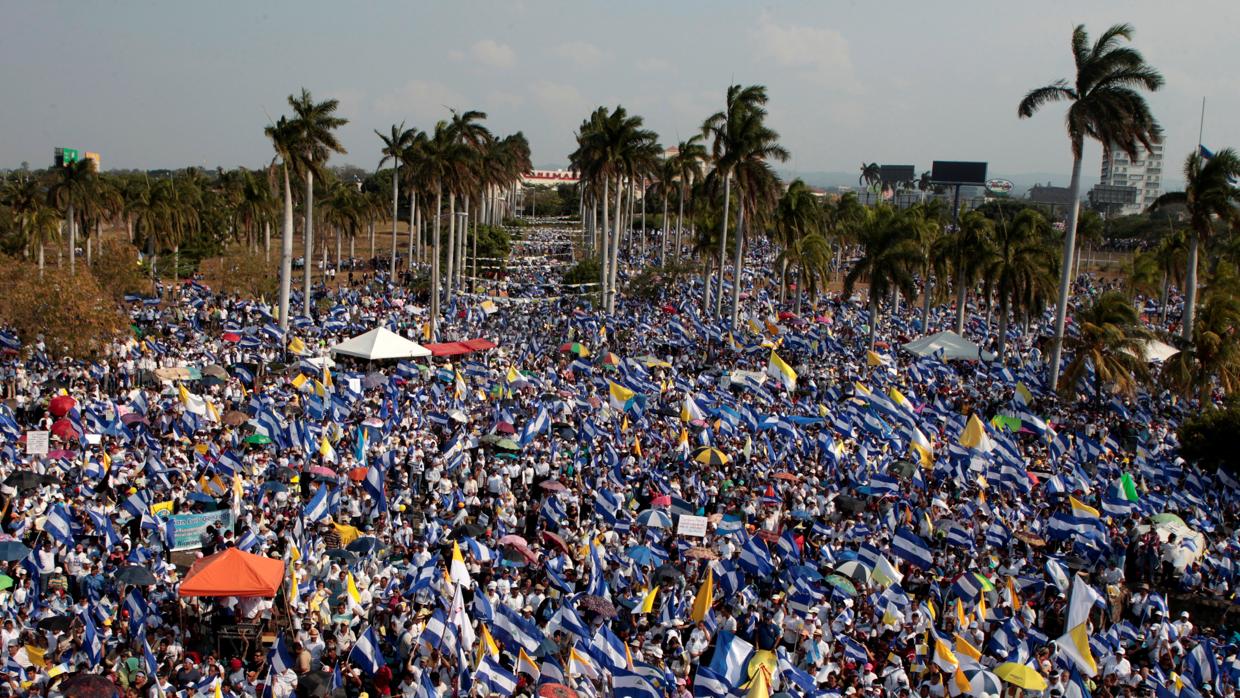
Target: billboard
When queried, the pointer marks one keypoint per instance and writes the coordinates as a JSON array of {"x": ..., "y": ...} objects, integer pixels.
[
  {"x": 65, "y": 156},
  {"x": 956, "y": 172},
  {"x": 891, "y": 174}
]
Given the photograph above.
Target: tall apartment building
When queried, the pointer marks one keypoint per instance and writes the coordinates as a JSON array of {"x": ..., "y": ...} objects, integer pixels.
[{"x": 1144, "y": 173}]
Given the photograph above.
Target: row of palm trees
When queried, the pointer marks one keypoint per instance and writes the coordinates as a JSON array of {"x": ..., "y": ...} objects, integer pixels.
[{"x": 460, "y": 157}]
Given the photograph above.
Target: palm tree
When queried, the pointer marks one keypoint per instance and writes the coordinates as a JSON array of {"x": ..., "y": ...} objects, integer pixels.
[
  {"x": 71, "y": 186},
  {"x": 742, "y": 144},
  {"x": 869, "y": 176},
  {"x": 889, "y": 254},
  {"x": 1021, "y": 268},
  {"x": 411, "y": 160},
  {"x": 1105, "y": 105},
  {"x": 163, "y": 215},
  {"x": 964, "y": 248},
  {"x": 314, "y": 123},
  {"x": 1215, "y": 350},
  {"x": 1209, "y": 195},
  {"x": 284, "y": 137},
  {"x": 797, "y": 229},
  {"x": 394, "y": 147},
  {"x": 1112, "y": 343},
  {"x": 926, "y": 225},
  {"x": 440, "y": 157},
  {"x": 36, "y": 221},
  {"x": 255, "y": 208},
  {"x": 689, "y": 160},
  {"x": 924, "y": 184}
]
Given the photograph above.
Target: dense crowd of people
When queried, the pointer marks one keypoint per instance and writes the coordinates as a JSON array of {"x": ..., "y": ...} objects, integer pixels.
[{"x": 649, "y": 503}]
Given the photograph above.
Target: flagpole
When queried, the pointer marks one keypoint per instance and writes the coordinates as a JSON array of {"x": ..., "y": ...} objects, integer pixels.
[{"x": 1201, "y": 128}]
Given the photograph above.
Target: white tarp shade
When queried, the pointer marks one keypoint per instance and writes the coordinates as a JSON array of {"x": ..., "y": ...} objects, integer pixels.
[
  {"x": 1159, "y": 351},
  {"x": 379, "y": 344},
  {"x": 953, "y": 345}
]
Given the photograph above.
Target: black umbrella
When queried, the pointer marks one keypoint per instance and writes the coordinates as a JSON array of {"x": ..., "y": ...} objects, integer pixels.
[
  {"x": 55, "y": 623},
  {"x": 468, "y": 530},
  {"x": 24, "y": 480},
  {"x": 347, "y": 556},
  {"x": 365, "y": 545},
  {"x": 136, "y": 576},
  {"x": 84, "y": 685},
  {"x": 597, "y": 604},
  {"x": 315, "y": 683},
  {"x": 667, "y": 573},
  {"x": 12, "y": 550}
]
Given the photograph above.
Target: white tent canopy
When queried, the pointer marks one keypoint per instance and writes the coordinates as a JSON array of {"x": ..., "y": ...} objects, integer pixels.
[
  {"x": 1156, "y": 350},
  {"x": 379, "y": 344},
  {"x": 954, "y": 347}
]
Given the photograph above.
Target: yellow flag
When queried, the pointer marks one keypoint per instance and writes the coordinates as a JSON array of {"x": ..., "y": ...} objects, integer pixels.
[
  {"x": 760, "y": 684},
  {"x": 35, "y": 655},
  {"x": 351, "y": 586},
  {"x": 107, "y": 461},
  {"x": 486, "y": 645},
  {"x": 647, "y": 604},
  {"x": 964, "y": 647},
  {"x": 1012, "y": 593},
  {"x": 299, "y": 380},
  {"x": 296, "y": 588},
  {"x": 705, "y": 596},
  {"x": 347, "y": 533},
  {"x": 457, "y": 570},
  {"x": 624, "y": 424},
  {"x": 962, "y": 681},
  {"x": 961, "y": 620},
  {"x": 981, "y": 608},
  {"x": 297, "y": 345},
  {"x": 1080, "y": 508},
  {"x": 975, "y": 436},
  {"x": 637, "y": 446},
  {"x": 162, "y": 508}
]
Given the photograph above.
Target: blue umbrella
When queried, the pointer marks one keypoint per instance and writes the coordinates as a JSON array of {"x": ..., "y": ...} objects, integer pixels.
[
  {"x": 274, "y": 486},
  {"x": 11, "y": 550},
  {"x": 640, "y": 554},
  {"x": 200, "y": 497},
  {"x": 655, "y": 518}
]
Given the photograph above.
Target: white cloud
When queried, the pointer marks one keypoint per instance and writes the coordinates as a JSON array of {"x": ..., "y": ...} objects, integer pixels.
[
  {"x": 493, "y": 54},
  {"x": 423, "y": 101},
  {"x": 564, "y": 103},
  {"x": 579, "y": 54},
  {"x": 821, "y": 53}
]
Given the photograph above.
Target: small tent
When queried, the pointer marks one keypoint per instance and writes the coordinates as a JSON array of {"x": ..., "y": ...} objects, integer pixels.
[
  {"x": 953, "y": 346},
  {"x": 380, "y": 344},
  {"x": 233, "y": 573},
  {"x": 1157, "y": 351}
]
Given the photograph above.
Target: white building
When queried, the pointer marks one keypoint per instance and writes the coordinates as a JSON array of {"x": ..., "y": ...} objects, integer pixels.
[{"x": 1144, "y": 173}]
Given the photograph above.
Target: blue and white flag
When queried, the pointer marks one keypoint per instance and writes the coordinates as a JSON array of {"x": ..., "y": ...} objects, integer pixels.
[
  {"x": 495, "y": 677},
  {"x": 366, "y": 654},
  {"x": 908, "y": 546},
  {"x": 319, "y": 507},
  {"x": 59, "y": 525}
]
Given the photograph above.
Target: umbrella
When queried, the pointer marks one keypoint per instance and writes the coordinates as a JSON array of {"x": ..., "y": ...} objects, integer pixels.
[
  {"x": 508, "y": 445},
  {"x": 212, "y": 380},
  {"x": 552, "y": 486},
  {"x": 557, "y": 541},
  {"x": 65, "y": 430},
  {"x": 274, "y": 486},
  {"x": 12, "y": 550},
  {"x": 315, "y": 683},
  {"x": 346, "y": 556},
  {"x": 574, "y": 348},
  {"x": 1030, "y": 538},
  {"x": 556, "y": 690},
  {"x": 130, "y": 418},
  {"x": 1021, "y": 676},
  {"x": 512, "y": 539},
  {"x": 215, "y": 370},
  {"x": 787, "y": 477},
  {"x": 855, "y": 570},
  {"x": 366, "y": 545},
  {"x": 358, "y": 474},
  {"x": 841, "y": 583},
  {"x": 258, "y": 439},
  {"x": 611, "y": 361},
  {"x": 597, "y": 604},
  {"x": 702, "y": 553},
  {"x": 135, "y": 575},
  {"x": 234, "y": 418},
  {"x": 55, "y": 623},
  {"x": 6, "y": 582},
  {"x": 468, "y": 530},
  {"x": 519, "y": 553},
  {"x": 667, "y": 573},
  {"x": 320, "y": 470},
  {"x": 84, "y": 685},
  {"x": 663, "y": 500},
  {"x": 61, "y": 405},
  {"x": 983, "y": 682},
  {"x": 24, "y": 480},
  {"x": 710, "y": 456},
  {"x": 200, "y": 497},
  {"x": 654, "y": 518},
  {"x": 231, "y": 337},
  {"x": 505, "y": 428},
  {"x": 640, "y": 554}
]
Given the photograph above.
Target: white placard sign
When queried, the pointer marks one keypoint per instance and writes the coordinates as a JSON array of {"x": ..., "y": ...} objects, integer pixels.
[
  {"x": 691, "y": 526},
  {"x": 36, "y": 443}
]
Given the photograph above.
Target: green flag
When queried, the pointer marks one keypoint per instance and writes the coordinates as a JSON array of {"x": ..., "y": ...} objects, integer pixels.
[{"x": 1129, "y": 487}]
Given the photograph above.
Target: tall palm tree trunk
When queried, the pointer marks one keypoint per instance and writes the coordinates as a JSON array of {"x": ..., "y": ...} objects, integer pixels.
[
  {"x": 40, "y": 260},
  {"x": 1065, "y": 271},
  {"x": 663, "y": 231},
  {"x": 1003, "y": 326},
  {"x": 615, "y": 248},
  {"x": 644, "y": 221},
  {"x": 738, "y": 260},
  {"x": 926, "y": 291},
  {"x": 962, "y": 297},
  {"x": 873, "y": 314},
  {"x": 266, "y": 241},
  {"x": 451, "y": 246},
  {"x": 286, "y": 251},
  {"x": 723, "y": 241},
  {"x": 72, "y": 241},
  {"x": 434, "y": 320},
  {"x": 1190, "y": 287},
  {"x": 308, "y": 245},
  {"x": 680, "y": 223},
  {"x": 1162, "y": 301},
  {"x": 395, "y": 220},
  {"x": 604, "y": 250},
  {"x": 460, "y": 269},
  {"x": 707, "y": 282},
  {"x": 413, "y": 211}
]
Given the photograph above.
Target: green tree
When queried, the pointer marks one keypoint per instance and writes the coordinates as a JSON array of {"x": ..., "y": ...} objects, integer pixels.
[
  {"x": 1214, "y": 354},
  {"x": 965, "y": 250},
  {"x": 689, "y": 160},
  {"x": 315, "y": 124},
  {"x": 71, "y": 186},
  {"x": 1111, "y": 342},
  {"x": 1208, "y": 438},
  {"x": 1209, "y": 195},
  {"x": 284, "y": 139},
  {"x": 1105, "y": 105},
  {"x": 889, "y": 255},
  {"x": 394, "y": 148},
  {"x": 1021, "y": 268},
  {"x": 37, "y": 223}
]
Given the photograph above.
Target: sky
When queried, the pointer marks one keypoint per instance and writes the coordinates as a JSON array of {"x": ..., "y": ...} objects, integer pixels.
[{"x": 170, "y": 84}]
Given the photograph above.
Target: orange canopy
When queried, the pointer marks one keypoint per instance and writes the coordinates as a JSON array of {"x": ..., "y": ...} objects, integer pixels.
[{"x": 233, "y": 573}]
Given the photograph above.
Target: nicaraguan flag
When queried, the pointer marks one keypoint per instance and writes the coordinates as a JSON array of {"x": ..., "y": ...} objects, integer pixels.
[
  {"x": 908, "y": 546},
  {"x": 319, "y": 507},
  {"x": 365, "y": 653}
]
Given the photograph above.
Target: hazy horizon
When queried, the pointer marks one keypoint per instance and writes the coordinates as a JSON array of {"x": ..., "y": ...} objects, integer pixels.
[{"x": 151, "y": 85}]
